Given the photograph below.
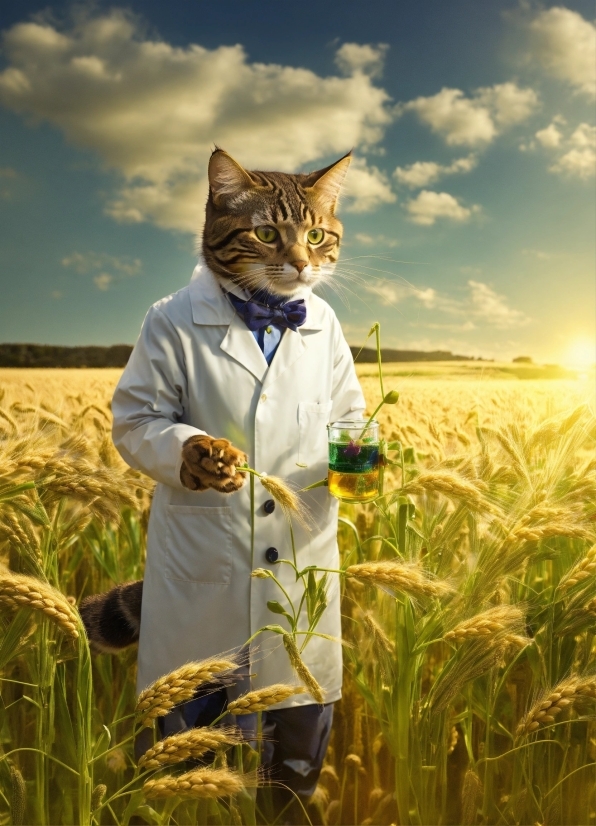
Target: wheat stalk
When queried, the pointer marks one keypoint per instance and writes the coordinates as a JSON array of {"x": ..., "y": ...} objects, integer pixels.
[
  {"x": 262, "y": 698},
  {"x": 195, "y": 784},
  {"x": 178, "y": 687},
  {"x": 188, "y": 745},
  {"x": 20, "y": 591}
]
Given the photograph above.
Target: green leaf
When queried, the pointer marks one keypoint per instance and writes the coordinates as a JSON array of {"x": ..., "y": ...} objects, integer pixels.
[
  {"x": 410, "y": 455},
  {"x": 393, "y": 445},
  {"x": 276, "y": 608},
  {"x": 149, "y": 814}
]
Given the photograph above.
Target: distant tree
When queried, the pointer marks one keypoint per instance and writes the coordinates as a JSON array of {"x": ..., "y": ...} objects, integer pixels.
[{"x": 523, "y": 360}]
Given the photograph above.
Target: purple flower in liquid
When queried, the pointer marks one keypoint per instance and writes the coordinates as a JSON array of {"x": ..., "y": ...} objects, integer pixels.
[{"x": 352, "y": 449}]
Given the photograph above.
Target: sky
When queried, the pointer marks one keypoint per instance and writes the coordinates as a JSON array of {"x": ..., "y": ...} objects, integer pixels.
[{"x": 468, "y": 211}]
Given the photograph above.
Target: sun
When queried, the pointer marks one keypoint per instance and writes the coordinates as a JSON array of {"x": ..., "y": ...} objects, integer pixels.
[{"x": 581, "y": 354}]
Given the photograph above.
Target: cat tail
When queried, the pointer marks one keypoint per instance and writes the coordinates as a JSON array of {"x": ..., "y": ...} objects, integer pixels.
[{"x": 113, "y": 620}]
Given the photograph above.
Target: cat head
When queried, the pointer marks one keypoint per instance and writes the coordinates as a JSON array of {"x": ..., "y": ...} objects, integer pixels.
[{"x": 272, "y": 230}]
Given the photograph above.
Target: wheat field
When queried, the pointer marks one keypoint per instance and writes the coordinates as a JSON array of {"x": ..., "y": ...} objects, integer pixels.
[{"x": 469, "y": 617}]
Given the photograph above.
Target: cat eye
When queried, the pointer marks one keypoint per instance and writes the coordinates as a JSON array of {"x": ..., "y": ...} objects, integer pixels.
[
  {"x": 315, "y": 236},
  {"x": 266, "y": 234}
]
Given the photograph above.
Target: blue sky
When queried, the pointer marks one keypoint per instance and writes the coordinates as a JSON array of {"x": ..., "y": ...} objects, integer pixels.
[{"x": 469, "y": 209}]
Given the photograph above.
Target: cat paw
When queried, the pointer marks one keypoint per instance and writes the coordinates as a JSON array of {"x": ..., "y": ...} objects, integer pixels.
[{"x": 211, "y": 463}]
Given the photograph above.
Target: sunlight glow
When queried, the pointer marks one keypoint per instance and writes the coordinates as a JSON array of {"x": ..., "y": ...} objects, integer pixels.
[{"x": 581, "y": 354}]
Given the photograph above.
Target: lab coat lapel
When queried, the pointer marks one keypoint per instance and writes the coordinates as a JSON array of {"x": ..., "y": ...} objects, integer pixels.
[
  {"x": 211, "y": 308},
  {"x": 290, "y": 348},
  {"x": 241, "y": 345}
]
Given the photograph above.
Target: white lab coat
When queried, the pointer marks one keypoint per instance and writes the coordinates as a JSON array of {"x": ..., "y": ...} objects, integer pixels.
[{"x": 196, "y": 368}]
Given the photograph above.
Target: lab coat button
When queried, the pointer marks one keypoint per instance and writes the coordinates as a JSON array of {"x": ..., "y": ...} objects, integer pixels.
[
  {"x": 271, "y": 555},
  {"x": 269, "y": 506},
  {"x": 264, "y": 397}
]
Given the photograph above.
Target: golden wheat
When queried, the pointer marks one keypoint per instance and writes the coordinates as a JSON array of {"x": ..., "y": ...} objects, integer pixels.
[
  {"x": 178, "y": 687},
  {"x": 553, "y": 702},
  {"x": 493, "y": 621},
  {"x": 400, "y": 576},
  {"x": 188, "y": 745},
  {"x": 302, "y": 670},
  {"x": 20, "y": 591},
  {"x": 263, "y": 698},
  {"x": 584, "y": 569},
  {"x": 195, "y": 784}
]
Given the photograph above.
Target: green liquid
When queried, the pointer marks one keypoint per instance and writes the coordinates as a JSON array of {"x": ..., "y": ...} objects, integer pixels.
[{"x": 343, "y": 457}]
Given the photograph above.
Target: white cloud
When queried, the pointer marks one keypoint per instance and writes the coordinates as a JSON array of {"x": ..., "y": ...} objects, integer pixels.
[
  {"x": 91, "y": 262},
  {"x": 577, "y": 163},
  {"x": 375, "y": 240},
  {"x": 492, "y": 308},
  {"x": 365, "y": 58},
  {"x": 549, "y": 137},
  {"x": 508, "y": 103},
  {"x": 428, "y": 206},
  {"x": 476, "y": 120},
  {"x": 564, "y": 44},
  {"x": 584, "y": 136},
  {"x": 480, "y": 306},
  {"x": 103, "y": 281},
  {"x": 153, "y": 111},
  {"x": 577, "y": 151},
  {"x": 424, "y": 173},
  {"x": 366, "y": 187}
]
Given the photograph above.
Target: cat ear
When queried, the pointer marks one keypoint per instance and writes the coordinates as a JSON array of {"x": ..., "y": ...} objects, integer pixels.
[
  {"x": 326, "y": 183},
  {"x": 227, "y": 179}
]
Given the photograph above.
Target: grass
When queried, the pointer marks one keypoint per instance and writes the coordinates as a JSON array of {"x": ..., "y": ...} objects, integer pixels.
[{"x": 467, "y": 601}]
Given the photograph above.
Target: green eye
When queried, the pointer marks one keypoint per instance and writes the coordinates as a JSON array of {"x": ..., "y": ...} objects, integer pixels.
[
  {"x": 266, "y": 234},
  {"x": 315, "y": 236}
]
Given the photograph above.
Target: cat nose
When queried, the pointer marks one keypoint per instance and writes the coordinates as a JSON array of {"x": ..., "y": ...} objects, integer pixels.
[{"x": 299, "y": 265}]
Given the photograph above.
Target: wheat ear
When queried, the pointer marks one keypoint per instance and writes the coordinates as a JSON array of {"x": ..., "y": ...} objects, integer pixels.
[
  {"x": 20, "y": 591},
  {"x": 400, "y": 576},
  {"x": 262, "y": 698},
  {"x": 552, "y": 702},
  {"x": 490, "y": 622},
  {"x": 177, "y": 687},
  {"x": 301, "y": 669},
  {"x": 188, "y": 745},
  {"x": 195, "y": 784},
  {"x": 584, "y": 569}
]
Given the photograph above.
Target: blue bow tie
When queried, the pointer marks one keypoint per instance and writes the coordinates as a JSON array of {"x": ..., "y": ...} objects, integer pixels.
[{"x": 263, "y": 309}]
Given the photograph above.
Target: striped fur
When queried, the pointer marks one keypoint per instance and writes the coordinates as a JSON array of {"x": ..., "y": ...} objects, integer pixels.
[{"x": 239, "y": 202}]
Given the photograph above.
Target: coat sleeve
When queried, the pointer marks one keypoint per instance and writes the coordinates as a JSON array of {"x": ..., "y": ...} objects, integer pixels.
[
  {"x": 148, "y": 404},
  {"x": 347, "y": 396}
]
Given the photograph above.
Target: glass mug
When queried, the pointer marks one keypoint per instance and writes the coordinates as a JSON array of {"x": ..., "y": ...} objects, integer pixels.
[{"x": 353, "y": 460}]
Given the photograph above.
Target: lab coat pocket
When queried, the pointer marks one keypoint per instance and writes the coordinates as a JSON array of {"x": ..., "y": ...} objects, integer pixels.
[
  {"x": 198, "y": 544},
  {"x": 313, "y": 418}
]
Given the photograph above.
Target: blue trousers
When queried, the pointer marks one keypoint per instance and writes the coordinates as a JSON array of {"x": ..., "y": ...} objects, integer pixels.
[{"x": 294, "y": 740}]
